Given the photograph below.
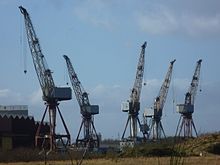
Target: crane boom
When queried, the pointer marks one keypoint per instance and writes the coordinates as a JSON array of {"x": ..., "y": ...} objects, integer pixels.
[
  {"x": 190, "y": 95},
  {"x": 43, "y": 72},
  {"x": 81, "y": 95},
  {"x": 136, "y": 90},
  {"x": 161, "y": 98}
]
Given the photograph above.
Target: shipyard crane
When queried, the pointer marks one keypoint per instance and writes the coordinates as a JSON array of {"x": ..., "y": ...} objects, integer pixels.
[
  {"x": 186, "y": 110},
  {"x": 51, "y": 94},
  {"x": 156, "y": 127},
  {"x": 132, "y": 106},
  {"x": 90, "y": 136}
]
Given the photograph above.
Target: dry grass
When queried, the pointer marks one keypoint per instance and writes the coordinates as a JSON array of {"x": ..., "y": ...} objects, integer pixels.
[
  {"x": 208, "y": 145},
  {"x": 211, "y": 160},
  {"x": 204, "y": 144}
]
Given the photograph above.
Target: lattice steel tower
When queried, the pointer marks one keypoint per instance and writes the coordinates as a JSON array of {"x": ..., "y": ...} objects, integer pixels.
[
  {"x": 132, "y": 106},
  {"x": 156, "y": 127},
  {"x": 90, "y": 136},
  {"x": 51, "y": 94},
  {"x": 186, "y": 125}
]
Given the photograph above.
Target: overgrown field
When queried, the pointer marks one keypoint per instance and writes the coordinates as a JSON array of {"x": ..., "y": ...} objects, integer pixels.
[
  {"x": 211, "y": 160},
  {"x": 203, "y": 150},
  {"x": 205, "y": 145}
]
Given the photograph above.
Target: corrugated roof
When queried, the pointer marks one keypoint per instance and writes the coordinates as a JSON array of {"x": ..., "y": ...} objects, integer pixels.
[{"x": 16, "y": 116}]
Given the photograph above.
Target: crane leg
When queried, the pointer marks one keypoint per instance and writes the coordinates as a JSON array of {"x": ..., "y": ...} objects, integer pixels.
[
  {"x": 161, "y": 126},
  {"x": 77, "y": 138},
  {"x": 194, "y": 128},
  {"x": 152, "y": 125},
  {"x": 66, "y": 129},
  {"x": 37, "y": 136},
  {"x": 98, "y": 140},
  {"x": 181, "y": 127},
  {"x": 139, "y": 123},
  {"x": 177, "y": 128},
  {"x": 129, "y": 117}
]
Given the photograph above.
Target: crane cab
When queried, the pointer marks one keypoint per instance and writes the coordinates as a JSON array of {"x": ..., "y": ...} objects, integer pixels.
[
  {"x": 91, "y": 109},
  {"x": 125, "y": 106},
  {"x": 185, "y": 108},
  {"x": 58, "y": 93},
  {"x": 62, "y": 93}
]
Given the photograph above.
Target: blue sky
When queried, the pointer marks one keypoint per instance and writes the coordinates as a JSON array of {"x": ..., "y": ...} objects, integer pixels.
[{"x": 103, "y": 40}]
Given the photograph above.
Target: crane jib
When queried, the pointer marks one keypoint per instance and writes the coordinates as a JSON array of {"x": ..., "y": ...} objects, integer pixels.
[
  {"x": 81, "y": 95},
  {"x": 161, "y": 98},
  {"x": 188, "y": 106},
  {"x": 44, "y": 74}
]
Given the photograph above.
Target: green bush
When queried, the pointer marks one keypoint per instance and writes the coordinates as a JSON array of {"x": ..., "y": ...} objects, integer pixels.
[{"x": 214, "y": 149}]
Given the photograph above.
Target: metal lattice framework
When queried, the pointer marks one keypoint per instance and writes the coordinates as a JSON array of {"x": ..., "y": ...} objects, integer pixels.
[
  {"x": 88, "y": 111},
  {"x": 133, "y": 105},
  {"x": 186, "y": 124},
  {"x": 156, "y": 128},
  {"x": 51, "y": 94}
]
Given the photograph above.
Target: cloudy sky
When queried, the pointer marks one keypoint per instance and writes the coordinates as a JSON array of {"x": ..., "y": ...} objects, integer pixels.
[{"x": 103, "y": 40}]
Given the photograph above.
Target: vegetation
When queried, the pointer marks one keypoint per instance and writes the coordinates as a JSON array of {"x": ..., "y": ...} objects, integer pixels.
[
  {"x": 206, "y": 144},
  {"x": 213, "y": 160},
  {"x": 202, "y": 150}
]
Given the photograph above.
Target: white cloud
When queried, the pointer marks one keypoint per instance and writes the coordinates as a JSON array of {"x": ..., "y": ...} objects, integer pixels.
[
  {"x": 108, "y": 95},
  {"x": 36, "y": 97},
  {"x": 165, "y": 19},
  {"x": 192, "y": 18},
  {"x": 159, "y": 21},
  {"x": 181, "y": 84},
  {"x": 10, "y": 97},
  {"x": 4, "y": 92},
  {"x": 99, "y": 89},
  {"x": 95, "y": 12},
  {"x": 153, "y": 83},
  {"x": 196, "y": 25}
]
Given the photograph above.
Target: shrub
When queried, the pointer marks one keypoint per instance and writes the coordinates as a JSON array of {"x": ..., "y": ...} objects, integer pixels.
[{"x": 214, "y": 149}]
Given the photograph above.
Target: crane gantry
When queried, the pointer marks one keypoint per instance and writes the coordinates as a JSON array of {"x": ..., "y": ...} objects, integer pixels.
[
  {"x": 156, "y": 127},
  {"x": 132, "y": 106},
  {"x": 51, "y": 94},
  {"x": 186, "y": 110},
  {"x": 90, "y": 136}
]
